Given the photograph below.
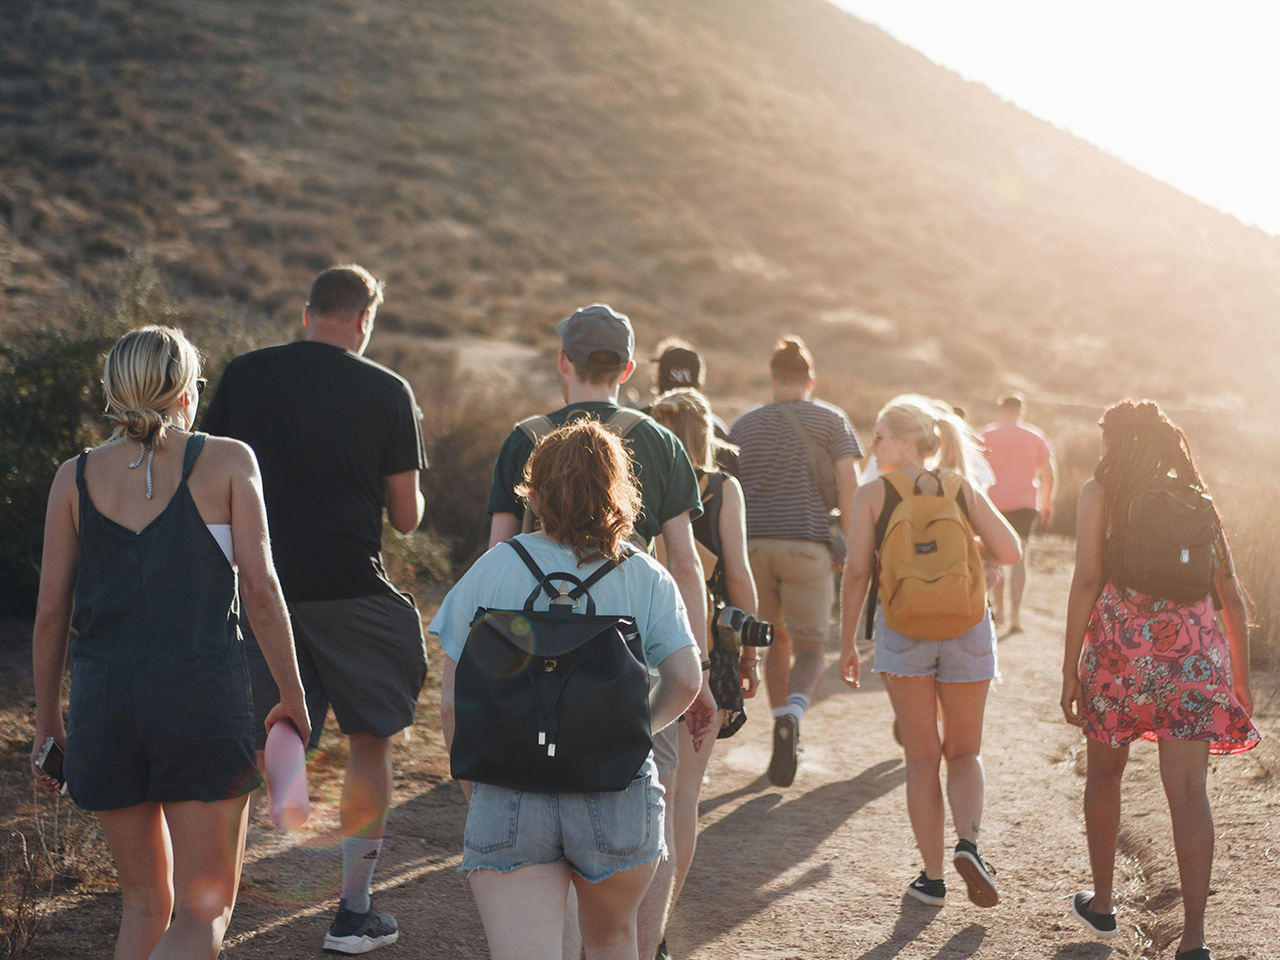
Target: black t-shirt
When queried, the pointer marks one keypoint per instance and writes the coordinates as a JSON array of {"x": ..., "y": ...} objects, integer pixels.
[{"x": 327, "y": 426}]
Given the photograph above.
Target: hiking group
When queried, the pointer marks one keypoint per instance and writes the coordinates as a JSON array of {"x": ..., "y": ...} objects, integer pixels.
[{"x": 640, "y": 566}]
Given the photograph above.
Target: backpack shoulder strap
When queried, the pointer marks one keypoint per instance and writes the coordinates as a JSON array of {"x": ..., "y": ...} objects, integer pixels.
[
  {"x": 626, "y": 419},
  {"x": 538, "y": 575},
  {"x": 894, "y": 484},
  {"x": 902, "y": 485},
  {"x": 536, "y": 427},
  {"x": 581, "y": 587},
  {"x": 953, "y": 487},
  {"x": 595, "y": 578}
]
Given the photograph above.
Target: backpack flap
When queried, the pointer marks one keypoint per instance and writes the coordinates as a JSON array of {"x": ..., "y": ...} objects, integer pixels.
[
  {"x": 551, "y": 701},
  {"x": 931, "y": 582},
  {"x": 550, "y": 633}
]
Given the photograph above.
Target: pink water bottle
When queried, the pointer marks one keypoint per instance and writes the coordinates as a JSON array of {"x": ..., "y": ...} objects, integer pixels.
[{"x": 287, "y": 776}]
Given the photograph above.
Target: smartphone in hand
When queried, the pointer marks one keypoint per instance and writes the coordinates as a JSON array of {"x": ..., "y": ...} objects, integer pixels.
[{"x": 49, "y": 760}]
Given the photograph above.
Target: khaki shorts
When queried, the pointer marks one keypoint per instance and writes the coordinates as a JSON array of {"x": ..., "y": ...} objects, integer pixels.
[
  {"x": 666, "y": 749},
  {"x": 796, "y": 584}
]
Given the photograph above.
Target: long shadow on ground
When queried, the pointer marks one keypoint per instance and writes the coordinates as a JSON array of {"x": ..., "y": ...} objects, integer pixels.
[
  {"x": 416, "y": 881},
  {"x": 744, "y": 852},
  {"x": 911, "y": 923},
  {"x": 287, "y": 900}
]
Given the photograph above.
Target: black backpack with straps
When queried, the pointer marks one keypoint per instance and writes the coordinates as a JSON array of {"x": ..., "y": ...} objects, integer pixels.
[
  {"x": 1169, "y": 544},
  {"x": 552, "y": 701}
]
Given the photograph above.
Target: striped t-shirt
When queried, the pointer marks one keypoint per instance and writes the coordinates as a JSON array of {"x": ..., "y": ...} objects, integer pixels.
[{"x": 783, "y": 501}]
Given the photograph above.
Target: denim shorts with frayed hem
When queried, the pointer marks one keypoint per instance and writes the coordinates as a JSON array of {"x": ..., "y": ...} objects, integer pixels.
[
  {"x": 964, "y": 659},
  {"x": 596, "y": 834}
]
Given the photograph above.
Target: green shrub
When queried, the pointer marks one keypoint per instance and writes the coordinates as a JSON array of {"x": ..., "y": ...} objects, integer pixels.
[
  {"x": 48, "y": 402},
  {"x": 51, "y": 403}
]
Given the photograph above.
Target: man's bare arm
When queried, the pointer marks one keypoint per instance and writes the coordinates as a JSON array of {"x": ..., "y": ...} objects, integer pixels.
[{"x": 405, "y": 504}]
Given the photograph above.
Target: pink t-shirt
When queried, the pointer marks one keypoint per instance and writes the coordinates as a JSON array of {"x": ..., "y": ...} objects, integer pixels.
[{"x": 1016, "y": 451}]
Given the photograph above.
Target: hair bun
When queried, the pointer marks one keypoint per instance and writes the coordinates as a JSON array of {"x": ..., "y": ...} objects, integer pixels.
[{"x": 141, "y": 425}]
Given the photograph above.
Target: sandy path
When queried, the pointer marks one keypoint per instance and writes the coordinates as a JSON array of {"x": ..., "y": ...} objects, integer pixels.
[{"x": 817, "y": 870}]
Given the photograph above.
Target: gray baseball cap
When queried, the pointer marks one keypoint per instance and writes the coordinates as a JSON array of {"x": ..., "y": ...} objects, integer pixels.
[{"x": 594, "y": 333}]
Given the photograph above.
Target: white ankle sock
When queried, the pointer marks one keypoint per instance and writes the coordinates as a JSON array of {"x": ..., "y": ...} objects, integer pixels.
[
  {"x": 359, "y": 857},
  {"x": 797, "y": 704}
]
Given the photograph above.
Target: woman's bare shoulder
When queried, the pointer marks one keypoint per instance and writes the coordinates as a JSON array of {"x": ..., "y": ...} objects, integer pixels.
[
  {"x": 869, "y": 495},
  {"x": 230, "y": 454}
]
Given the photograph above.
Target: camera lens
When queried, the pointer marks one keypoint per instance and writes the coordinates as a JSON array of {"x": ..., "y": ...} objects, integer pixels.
[{"x": 757, "y": 633}]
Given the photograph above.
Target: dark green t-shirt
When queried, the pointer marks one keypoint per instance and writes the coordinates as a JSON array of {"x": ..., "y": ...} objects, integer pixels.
[{"x": 668, "y": 486}]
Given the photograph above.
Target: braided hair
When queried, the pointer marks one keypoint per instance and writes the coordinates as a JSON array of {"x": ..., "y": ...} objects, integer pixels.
[{"x": 1144, "y": 449}]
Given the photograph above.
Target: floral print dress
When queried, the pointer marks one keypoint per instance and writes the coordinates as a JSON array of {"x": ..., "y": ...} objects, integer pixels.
[{"x": 1161, "y": 670}]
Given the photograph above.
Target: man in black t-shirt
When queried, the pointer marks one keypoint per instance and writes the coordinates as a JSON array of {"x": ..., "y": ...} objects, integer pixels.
[{"x": 337, "y": 437}]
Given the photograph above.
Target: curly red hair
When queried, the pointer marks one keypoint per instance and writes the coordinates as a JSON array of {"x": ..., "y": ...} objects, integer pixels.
[{"x": 579, "y": 481}]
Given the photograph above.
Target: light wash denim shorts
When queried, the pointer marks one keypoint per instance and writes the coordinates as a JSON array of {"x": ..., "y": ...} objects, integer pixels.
[
  {"x": 597, "y": 834},
  {"x": 963, "y": 659}
]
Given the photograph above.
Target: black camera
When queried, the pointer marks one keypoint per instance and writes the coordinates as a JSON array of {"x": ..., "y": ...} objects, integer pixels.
[{"x": 741, "y": 629}]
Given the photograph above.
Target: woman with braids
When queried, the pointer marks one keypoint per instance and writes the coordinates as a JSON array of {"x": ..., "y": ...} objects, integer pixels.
[
  {"x": 1137, "y": 665},
  {"x": 143, "y": 540},
  {"x": 522, "y": 850},
  {"x": 923, "y": 448}
]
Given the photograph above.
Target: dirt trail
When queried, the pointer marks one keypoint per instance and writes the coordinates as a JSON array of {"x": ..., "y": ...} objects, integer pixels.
[{"x": 817, "y": 870}]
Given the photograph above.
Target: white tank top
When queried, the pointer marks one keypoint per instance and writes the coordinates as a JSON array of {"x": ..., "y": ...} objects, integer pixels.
[{"x": 222, "y": 533}]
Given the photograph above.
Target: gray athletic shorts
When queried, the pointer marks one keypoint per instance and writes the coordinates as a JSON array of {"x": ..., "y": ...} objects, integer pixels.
[{"x": 364, "y": 656}]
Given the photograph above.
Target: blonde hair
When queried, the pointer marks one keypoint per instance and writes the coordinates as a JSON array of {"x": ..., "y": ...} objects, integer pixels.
[
  {"x": 934, "y": 429},
  {"x": 687, "y": 413},
  {"x": 147, "y": 372}
]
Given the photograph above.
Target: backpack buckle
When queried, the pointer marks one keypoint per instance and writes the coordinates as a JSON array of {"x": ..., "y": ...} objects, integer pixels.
[{"x": 564, "y": 599}]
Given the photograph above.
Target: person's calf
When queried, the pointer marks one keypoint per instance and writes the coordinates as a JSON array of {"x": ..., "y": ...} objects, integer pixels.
[{"x": 807, "y": 670}]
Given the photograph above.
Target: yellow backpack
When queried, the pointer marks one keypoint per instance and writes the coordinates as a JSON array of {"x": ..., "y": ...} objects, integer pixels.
[{"x": 930, "y": 573}]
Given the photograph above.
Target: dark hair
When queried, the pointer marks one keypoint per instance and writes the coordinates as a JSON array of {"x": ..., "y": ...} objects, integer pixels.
[
  {"x": 599, "y": 373},
  {"x": 1144, "y": 449},
  {"x": 580, "y": 482},
  {"x": 344, "y": 292},
  {"x": 791, "y": 362},
  {"x": 1012, "y": 400}
]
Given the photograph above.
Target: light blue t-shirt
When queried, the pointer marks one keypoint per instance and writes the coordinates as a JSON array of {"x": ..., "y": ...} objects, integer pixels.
[{"x": 640, "y": 587}]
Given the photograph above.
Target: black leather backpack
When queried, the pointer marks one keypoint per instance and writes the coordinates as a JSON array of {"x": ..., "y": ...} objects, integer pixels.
[
  {"x": 552, "y": 701},
  {"x": 1169, "y": 544}
]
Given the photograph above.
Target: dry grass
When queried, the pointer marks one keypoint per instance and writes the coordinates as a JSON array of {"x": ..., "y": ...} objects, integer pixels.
[
  {"x": 47, "y": 846},
  {"x": 21, "y": 923}
]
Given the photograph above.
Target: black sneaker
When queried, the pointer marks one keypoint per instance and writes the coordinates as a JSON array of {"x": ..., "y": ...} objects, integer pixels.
[
  {"x": 1197, "y": 953},
  {"x": 662, "y": 953},
  {"x": 786, "y": 738},
  {"x": 978, "y": 875},
  {"x": 353, "y": 932},
  {"x": 1103, "y": 925},
  {"x": 932, "y": 892}
]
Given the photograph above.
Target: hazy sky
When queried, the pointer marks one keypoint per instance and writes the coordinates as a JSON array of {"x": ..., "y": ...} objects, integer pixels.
[{"x": 1185, "y": 91}]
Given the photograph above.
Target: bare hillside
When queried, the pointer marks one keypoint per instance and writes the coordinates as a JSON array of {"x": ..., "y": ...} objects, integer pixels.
[{"x": 723, "y": 169}]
